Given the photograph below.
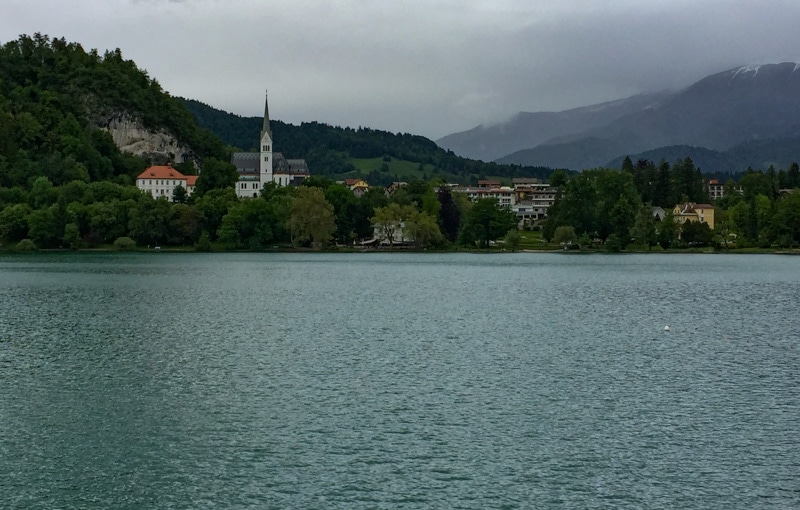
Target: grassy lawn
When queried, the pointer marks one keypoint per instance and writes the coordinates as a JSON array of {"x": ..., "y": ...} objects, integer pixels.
[
  {"x": 409, "y": 171},
  {"x": 532, "y": 240}
]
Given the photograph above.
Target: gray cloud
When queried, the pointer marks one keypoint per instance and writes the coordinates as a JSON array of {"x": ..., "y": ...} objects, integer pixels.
[{"x": 424, "y": 66}]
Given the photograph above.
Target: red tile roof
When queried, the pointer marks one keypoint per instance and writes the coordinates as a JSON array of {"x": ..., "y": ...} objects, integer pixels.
[
  {"x": 161, "y": 172},
  {"x": 191, "y": 180}
]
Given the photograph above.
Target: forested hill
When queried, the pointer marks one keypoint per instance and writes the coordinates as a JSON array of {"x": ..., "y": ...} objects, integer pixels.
[
  {"x": 54, "y": 99},
  {"x": 331, "y": 150}
]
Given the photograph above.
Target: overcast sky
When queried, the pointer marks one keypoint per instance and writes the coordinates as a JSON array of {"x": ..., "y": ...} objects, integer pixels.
[{"x": 429, "y": 67}]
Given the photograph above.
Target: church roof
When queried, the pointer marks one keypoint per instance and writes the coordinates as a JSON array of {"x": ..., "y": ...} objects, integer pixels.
[
  {"x": 244, "y": 156},
  {"x": 266, "y": 128}
]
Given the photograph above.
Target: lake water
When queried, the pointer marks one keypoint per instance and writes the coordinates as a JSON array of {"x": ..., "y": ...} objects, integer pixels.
[{"x": 386, "y": 380}]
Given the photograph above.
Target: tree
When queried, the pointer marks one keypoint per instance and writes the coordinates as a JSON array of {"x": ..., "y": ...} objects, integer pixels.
[
  {"x": 564, "y": 235},
  {"x": 186, "y": 224},
  {"x": 597, "y": 202},
  {"x": 558, "y": 178},
  {"x": 149, "y": 221},
  {"x": 345, "y": 210},
  {"x": 389, "y": 220},
  {"x": 72, "y": 236},
  {"x": 42, "y": 227},
  {"x": 14, "y": 222},
  {"x": 512, "y": 240},
  {"x": 793, "y": 176},
  {"x": 687, "y": 183},
  {"x": 694, "y": 233},
  {"x": 216, "y": 174},
  {"x": 422, "y": 230},
  {"x": 42, "y": 193},
  {"x": 644, "y": 227},
  {"x": 179, "y": 195},
  {"x": 449, "y": 214},
  {"x": 312, "y": 218},
  {"x": 627, "y": 165},
  {"x": 214, "y": 205},
  {"x": 667, "y": 231},
  {"x": 248, "y": 224},
  {"x": 124, "y": 244},
  {"x": 486, "y": 221},
  {"x": 786, "y": 220},
  {"x": 662, "y": 190},
  {"x": 756, "y": 183},
  {"x": 723, "y": 227}
]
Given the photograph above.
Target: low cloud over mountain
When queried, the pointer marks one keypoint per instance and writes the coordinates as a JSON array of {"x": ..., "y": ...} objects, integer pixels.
[{"x": 724, "y": 112}]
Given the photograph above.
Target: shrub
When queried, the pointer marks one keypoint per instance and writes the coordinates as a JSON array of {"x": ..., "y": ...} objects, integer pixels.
[
  {"x": 124, "y": 244},
  {"x": 204, "y": 243},
  {"x": 25, "y": 245}
]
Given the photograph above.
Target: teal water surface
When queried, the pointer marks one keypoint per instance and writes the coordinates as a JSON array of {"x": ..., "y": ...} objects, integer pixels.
[{"x": 399, "y": 381}]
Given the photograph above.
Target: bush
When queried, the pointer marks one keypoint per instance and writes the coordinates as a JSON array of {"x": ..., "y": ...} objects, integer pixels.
[
  {"x": 124, "y": 244},
  {"x": 204, "y": 243},
  {"x": 564, "y": 235},
  {"x": 25, "y": 245},
  {"x": 615, "y": 243},
  {"x": 512, "y": 239}
]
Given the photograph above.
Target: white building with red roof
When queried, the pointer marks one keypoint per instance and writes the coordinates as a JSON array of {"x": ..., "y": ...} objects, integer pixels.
[{"x": 161, "y": 181}]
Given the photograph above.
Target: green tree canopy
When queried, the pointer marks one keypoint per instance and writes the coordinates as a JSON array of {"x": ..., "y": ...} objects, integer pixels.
[
  {"x": 312, "y": 218},
  {"x": 487, "y": 221}
]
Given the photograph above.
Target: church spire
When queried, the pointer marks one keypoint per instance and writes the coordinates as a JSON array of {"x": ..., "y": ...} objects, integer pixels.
[{"x": 265, "y": 128}]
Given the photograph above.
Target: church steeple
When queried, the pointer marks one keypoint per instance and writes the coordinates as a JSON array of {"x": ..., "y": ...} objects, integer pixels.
[
  {"x": 265, "y": 161},
  {"x": 266, "y": 129}
]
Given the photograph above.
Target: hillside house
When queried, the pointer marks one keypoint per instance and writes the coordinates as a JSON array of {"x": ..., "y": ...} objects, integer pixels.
[
  {"x": 357, "y": 186},
  {"x": 689, "y": 211},
  {"x": 161, "y": 181}
]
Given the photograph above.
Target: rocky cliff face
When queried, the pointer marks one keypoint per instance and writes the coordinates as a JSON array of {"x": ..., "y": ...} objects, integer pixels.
[{"x": 160, "y": 147}]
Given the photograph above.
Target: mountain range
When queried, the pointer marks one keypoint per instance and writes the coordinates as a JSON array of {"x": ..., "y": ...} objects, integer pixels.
[{"x": 749, "y": 116}]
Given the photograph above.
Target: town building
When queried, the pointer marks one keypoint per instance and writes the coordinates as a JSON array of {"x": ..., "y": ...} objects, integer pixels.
[
  {"x": 396, "y": 185},
  {"x": 503, "y": 194},
  {"x": 715, "y": 189},
  {"x": 689, "y": 211},
  {"x": 161, "y": 181},
  {"x": 257, "y": 169},
  {"x": 357, "y": 186},
  {"x": 533, "y": 198},
  {"x": 529, "y": 199}
]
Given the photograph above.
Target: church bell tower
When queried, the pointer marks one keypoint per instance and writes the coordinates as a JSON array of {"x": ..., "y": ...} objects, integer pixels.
[{"x": 265, "y": 161}]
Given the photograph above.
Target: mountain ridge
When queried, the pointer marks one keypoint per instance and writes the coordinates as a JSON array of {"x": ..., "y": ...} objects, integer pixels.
[{"x": 719, "y": 112}]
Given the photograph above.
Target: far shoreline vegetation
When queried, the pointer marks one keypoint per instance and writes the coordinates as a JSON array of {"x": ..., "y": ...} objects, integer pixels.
[{"x": 65, "y": 185}]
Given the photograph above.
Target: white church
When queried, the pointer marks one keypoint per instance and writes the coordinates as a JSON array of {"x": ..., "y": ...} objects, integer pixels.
[{"x": 256, "y": 169}]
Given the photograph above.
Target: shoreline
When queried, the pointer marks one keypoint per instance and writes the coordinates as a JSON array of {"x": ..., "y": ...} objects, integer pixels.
[{"x": 176, "y": 250}]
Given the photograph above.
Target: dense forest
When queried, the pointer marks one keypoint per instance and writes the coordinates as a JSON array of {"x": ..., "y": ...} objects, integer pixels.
[
  {"x": 54, "y": 97},
  {"x": 328, "y": 149}
]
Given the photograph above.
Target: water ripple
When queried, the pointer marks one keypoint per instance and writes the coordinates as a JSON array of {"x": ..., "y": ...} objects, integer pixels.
[{"x": 399, "y": 380}]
